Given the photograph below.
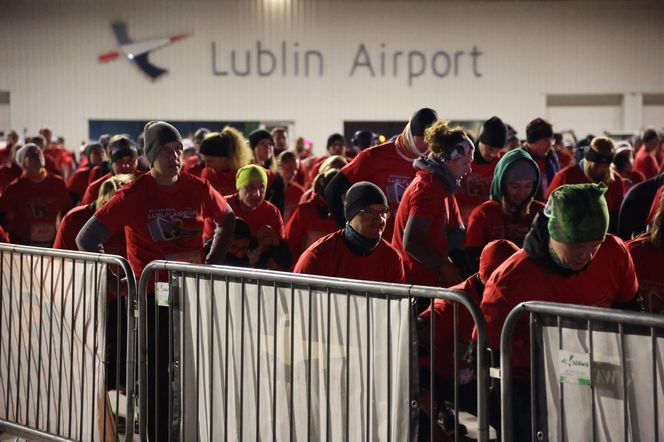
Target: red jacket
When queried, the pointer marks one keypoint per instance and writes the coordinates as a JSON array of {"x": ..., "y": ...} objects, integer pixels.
[
  {"x": 646, "y": 163},
  {"x": 648, "y": 261}
]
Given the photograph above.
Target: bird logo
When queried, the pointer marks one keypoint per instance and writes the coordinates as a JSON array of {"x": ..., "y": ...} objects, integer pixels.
[{"x": 138, "y": 51}]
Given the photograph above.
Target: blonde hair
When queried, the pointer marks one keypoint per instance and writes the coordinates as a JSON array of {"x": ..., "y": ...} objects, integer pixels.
[
  {"x": 333, "y": 162},
  {"x": 110, "y": 186},
  {"x": 603, "y": 146},
  {"x": 657, "y": 226},
  {"x": 322, "y": 180},
  {"x": 441, "y": 138},
  {"x": 240, "y": 153}
]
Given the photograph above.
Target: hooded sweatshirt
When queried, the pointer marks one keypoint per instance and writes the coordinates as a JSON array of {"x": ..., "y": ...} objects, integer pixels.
[{"x": 489, "y": 221}]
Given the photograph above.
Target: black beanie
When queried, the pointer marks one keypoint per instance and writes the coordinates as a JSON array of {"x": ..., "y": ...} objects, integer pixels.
[
  {"x": 334, "y": 137},
  {"x": 201, "y": 133},
  {"x": 256, "y": 136},
  {"x": 361, "y": 195},
  {"x": 156, "y": 135},
  {"x": 121, "y": 147},
  {"x": 215, "y": 145},
  {"x": 89, "y": 146},
  {"x": 538, "y": 129},
  {"x": 422, "y": 119},
  {"x": 494, "y": 133},
  {"x": 363, "y": 139}
]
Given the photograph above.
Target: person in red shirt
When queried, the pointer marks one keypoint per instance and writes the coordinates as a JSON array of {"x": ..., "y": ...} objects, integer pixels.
[
  {"x": 388, "y": 165},
  {"x": 646, "y": 158},
  {"x": 494, "y": 254},
  {"x": 224, "y": 153},
  {"x": 163, "y": 213},
  {"x": 31, "y": 204},
  {"x": 311, "y": 219},
  {"x": 11, "y": 171},
  {"x": 539, "y": 143},
  {"x": 263, "y": 217},
  {"x": 475, "y": 186},
  {"x": 124, "y": 160},
  {"x": 428, "y": 227},
  {"x": 358, "y": 251},
  {"x": 511, "y": 209},
  {"x": 287, "y": 164},
  {"x": 6, "y": 157},
  {"x": 77, "y": 183},
  {"x": 280, "y": 137},
  {"x": 62, "y": 158},
  {"x": 564, "y": 154},
  {"x": 336, "y": 145},
  {"x": 647, "y": 251},
  {"x": 596, "y": 168},
  {"x": 567, "y": 257},
  {"x": 623, "y": 162}
]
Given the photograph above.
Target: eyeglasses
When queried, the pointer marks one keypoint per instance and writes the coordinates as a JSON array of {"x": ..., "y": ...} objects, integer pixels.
[{"x": 384, "y": 214}]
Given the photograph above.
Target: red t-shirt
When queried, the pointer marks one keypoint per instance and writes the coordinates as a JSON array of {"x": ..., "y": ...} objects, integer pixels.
[
  {"x": 312, "y": 167},
  {"x": 426, "y": 199},
  {"x": 330, "y": 256},
  {"x": 92, "y": 192},
  {"x": 306, "y": 226},
  {"x": 266, "y": 214},
  {"x": 575, "y": 175},
  {"x": 648, "y": 261},
  {"x": 609, "y": 278},
  {"x": 9, "y": 174},
  {"x": 194, "y": 165},
  {"x": 62, "y": 159},
  {"x": 32, "y": 209},
  {"x": 565, "y": 157},
  {"x": 475, "y": 187},
  {"x": 162, "y": 222},
  {"x": 489, "y": 222},
  {"x": 291, "y": 199},
  {"x": 223, "y": 182},
  {"x": 443, "y": 333},
  {"x": 387, "y": 168},
  {"x": 646, "y": 163},
  {"x": 77, "y": 183},
  {"x": 95, "y": 174}
]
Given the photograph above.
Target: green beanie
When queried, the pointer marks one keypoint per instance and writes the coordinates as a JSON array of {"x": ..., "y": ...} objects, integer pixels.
[
  {"x": 250, "y": 173},
  {"x": 577, "y": 213}
]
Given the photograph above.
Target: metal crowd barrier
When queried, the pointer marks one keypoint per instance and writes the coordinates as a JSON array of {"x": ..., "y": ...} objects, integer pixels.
[
  {"x": 596, "y": 374},
  {"x": 261, "y": 355},
  {"x": 53, "y": 316}
]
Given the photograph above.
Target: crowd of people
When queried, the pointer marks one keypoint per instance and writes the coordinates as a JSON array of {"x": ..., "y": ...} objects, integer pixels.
[{"x": 548, "y": 217}]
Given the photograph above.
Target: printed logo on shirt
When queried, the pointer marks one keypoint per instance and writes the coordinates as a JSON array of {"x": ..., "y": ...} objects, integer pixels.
[
  {"x": 396, "y": 186},
  {"x": 39, "y": 208},
  {"x": 169, "y": 224}
]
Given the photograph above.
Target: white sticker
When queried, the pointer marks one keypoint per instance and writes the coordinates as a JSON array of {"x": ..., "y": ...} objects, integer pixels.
[
  {"x": 574, "y": 368},
  {"x": 161, "y": 293}
]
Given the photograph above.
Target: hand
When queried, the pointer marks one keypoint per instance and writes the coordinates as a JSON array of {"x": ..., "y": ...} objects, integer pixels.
[
  {"x": 449, "y": 274},
  {"x": 267, "y": 237}
]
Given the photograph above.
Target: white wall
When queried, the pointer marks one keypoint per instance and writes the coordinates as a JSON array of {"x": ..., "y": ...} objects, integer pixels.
[{"x": 529, "y": 49}]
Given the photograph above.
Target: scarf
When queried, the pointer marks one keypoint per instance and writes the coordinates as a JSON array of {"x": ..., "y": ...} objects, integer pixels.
[
  {"x": 358, "y": 244},
  {"x": 438, "y": 168},
  {"x": 405, "y": 144}
]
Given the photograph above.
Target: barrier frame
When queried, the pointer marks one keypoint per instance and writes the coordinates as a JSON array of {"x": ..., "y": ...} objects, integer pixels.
[
  {"x": 383, "y": 289},
  {"x": 20, "y": 430},
  {"x": 571, "y": 311}
]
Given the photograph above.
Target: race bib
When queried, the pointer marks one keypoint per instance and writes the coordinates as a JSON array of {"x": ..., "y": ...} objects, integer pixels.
[{"x": 42, "y": 233}]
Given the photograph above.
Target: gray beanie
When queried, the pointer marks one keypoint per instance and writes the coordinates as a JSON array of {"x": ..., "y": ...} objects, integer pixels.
[
  {"x": 520, "y": 170},
  {"x": 20, "y": 154},
  {"x": 156, "y": 134}
]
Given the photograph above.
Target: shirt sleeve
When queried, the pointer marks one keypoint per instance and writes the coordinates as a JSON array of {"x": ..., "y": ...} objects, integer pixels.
[
  {"x": 117, "y": 211},
  {"x": 629, "y": 285},
  {"x": 307, "y": 263},
  {"x": 454, "y": 213},
  {"x": 214, "y": 205},
  {"x": 476, "y": 235},
  {"x": 495, "y": 310}
]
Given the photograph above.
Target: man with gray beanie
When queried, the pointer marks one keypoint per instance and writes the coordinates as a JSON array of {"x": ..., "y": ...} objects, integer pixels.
[
  {"x": 568, "y": 257},
  {"x": 357, "y": 251},
  {"x": 163, "y": 214},
  {"x": 388, "y": 165}
]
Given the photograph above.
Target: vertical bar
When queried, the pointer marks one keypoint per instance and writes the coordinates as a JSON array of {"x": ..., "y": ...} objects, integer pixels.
[
  {"x": 226, "y": 351},
  {"x": 592, "y": 381},
  {"x": 655, "y": 407},
  {"x": 347, "y": 365},
  {"x": 291, "y": 418},
  {"x": 368, "y": 401},
  {"x": 29, "y": 349},
  {"x": 258, "y": 359},
  {"x": 241, "y": 423},
  {"x": 2, "y": 298},
  {"x": 533, "y": 406},
  {"x": 41, "y": 323},
  {"x": 309, "y": 366},
  {"x": 455, "y": 305},
  {"x": 118, "y": 338},
  {"x": 81, "y": 413},
  {"x": 432, "y": 380},
  {"x": 9, "y": 346},
  {"x": 198, "y": 351},
  {"x": 63, "y": 306},
  {"x": 155, "y": 372},
  {"x": 623, "y": 365},
  {"x": 20, "y": 341},
  {"x": 49, "y": 377},
  {"x": 274, "y": 365},
  {"x": 71, "y": 345},
  {"x": 389, "y": 368},
  {"x": 561, "y": 397},
  {"x": 181, "y": 296},
  {"x": 94, "y": 365},
  {"x": 213, "y": 311},
  {"x": 328, "y": 423}
]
